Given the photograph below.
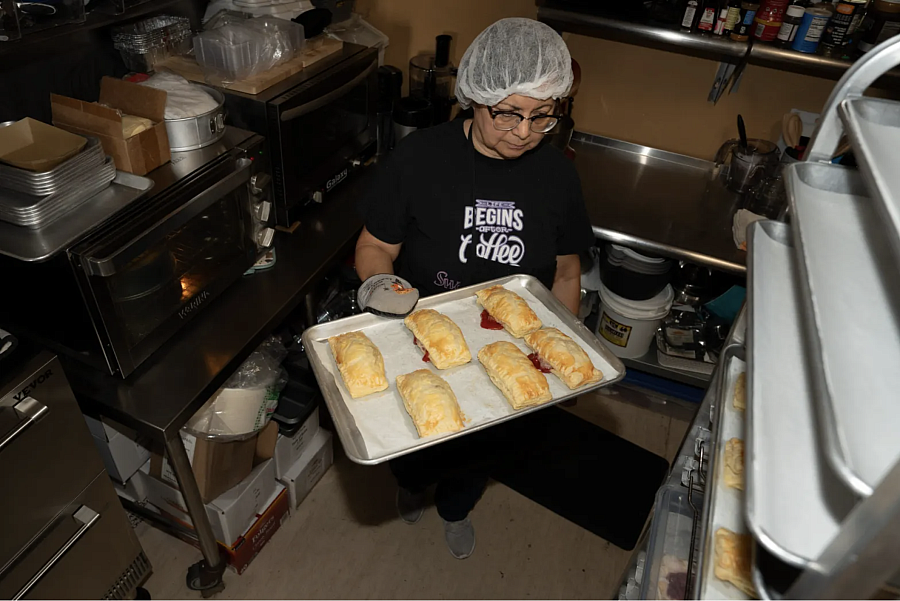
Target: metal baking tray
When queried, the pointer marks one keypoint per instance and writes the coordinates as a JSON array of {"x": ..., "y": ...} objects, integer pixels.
[
  {"x": 725, "y": 508},
  {"x": 27, "y": 205},
  {"x": 376, "y": 428},
  {"x": 27, "y": 244},
  {"x": 853, "y": 296},
  {"x": 48, "y": 182},
  {"x": 795, "y": 503},
  {"x": 62, "y": 203}
]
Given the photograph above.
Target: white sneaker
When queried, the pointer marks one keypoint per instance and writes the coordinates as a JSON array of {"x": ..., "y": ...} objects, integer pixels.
[
  {"x": 410, "y": 506},
  {"x": 460, "y": 538}
]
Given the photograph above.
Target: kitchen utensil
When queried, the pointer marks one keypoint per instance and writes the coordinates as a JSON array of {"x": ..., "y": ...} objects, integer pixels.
[
  {"x": 742, "y": 131},
  {"x": 748, "y": 163},
  {"x": 431, "y": 77},
  {"x": 767, "y": 197},
  {"x": 791, "y": 129},
  {"x": 191, "y": 133}
]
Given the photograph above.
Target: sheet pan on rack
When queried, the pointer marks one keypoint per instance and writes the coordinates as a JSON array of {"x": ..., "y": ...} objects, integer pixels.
[{"x": 376, "y": 428}]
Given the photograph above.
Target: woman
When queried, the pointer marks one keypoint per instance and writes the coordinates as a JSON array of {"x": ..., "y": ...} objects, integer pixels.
[{"x": 470, "y": 201}]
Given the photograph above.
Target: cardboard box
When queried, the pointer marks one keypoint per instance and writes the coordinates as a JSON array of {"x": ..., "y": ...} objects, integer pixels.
[
  {"x": 240, "y": 554},
  {"x": 230, "y": 514},
  {"x": 138, "y": 154},
  {"x": 122, "y": 450},
  {"x": 309, "y": 468},
  {"x": 218, "y": 466},
  {"x": 289, "y": 449},
  {"x": 137, "y": 487},
  {"x": 35, "y": 146}
]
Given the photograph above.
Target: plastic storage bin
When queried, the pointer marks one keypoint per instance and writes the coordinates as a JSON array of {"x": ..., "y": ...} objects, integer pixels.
[
  {"x": 666, "y": 570},
  {"x": 628, "y": 327}
]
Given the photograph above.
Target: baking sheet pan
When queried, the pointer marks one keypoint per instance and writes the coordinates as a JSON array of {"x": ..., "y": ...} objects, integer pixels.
[
  {"x": 725, "y": 508},
  {"x": 376, "y": 428},
  {"x": 853, "y": 293},
  {"x": 794, "y": 502}
]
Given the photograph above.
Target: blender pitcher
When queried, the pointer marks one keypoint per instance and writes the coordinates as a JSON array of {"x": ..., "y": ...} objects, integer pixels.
[{"x": 748, "y": 163}]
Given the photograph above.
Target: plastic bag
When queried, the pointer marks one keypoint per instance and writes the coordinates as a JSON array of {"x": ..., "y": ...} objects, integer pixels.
[
  {"x": 183, "y": 99},
  {"x": 247, "y": 400},
  {"x": 239, "y": 48}
]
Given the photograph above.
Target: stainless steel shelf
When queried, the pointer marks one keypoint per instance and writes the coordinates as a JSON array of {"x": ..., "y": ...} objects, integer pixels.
[
  {"x": 702, "y": 46},
  {"x": 649, "y": 363},
  {"x": 652, "y": 36}
]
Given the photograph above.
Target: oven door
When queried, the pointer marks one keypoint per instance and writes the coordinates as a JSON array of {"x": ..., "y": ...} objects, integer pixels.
[
  {"x": 149, "y": 274},
  {"x": 322, "y": 126}
]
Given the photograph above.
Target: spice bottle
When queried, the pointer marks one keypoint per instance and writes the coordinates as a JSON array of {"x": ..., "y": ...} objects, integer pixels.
[
  {"x": 721, "y": 19},
  {"x": 768, "y": 19},
  {"x": 689, "y": 18},
  {"x": 741, "y": 32},
  {"x": 734, "y": 16},
  {"x": 882, "y": 22},
  {"x": 793, "y": 16},
  {"x": 709, "y": 14}
]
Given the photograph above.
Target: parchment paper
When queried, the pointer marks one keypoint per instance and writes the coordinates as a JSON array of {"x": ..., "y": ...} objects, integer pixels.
[{"x": 381, "y": 418}]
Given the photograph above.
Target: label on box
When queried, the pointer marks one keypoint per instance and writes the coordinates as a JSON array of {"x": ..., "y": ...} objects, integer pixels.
[{"x": 190, "y": 445}]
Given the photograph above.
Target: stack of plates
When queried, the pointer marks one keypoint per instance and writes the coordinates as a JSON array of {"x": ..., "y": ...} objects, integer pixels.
[
  {"x": 620, "y": 256},
  {"x": 36, "y": 200}
]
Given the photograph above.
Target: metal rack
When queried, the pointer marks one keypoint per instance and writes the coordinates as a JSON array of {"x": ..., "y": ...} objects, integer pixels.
[{"x": 845, "y": 226}]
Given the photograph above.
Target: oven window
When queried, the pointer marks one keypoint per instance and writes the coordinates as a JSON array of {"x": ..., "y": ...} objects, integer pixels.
[
  {"x": 171, "y": 277},
  {"x": 327, "y": 130}
]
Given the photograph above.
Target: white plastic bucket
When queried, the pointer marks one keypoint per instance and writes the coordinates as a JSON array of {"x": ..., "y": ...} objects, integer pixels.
[{"x": 628, "y": 327}]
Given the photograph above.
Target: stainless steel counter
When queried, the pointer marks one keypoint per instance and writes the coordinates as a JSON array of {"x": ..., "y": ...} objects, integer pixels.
[
  {"x": 173, "y": 384},
  {"x": 661, "y": 202}
]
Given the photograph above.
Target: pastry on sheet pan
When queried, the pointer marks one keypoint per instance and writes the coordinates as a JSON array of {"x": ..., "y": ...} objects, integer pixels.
[
  {"x": 740, "y": 391},
  {"x": 733, "y": 471},
  {"x": 514, "y": 374},
  {"x": 430, "y": 402},
  {"x": 440, "y": 337},
  {"x": 510, "y": 310},
  {"x": 360, "y": 363},
  {"x": 566, "y": 359},
  {"x": 733, "y": 560}
]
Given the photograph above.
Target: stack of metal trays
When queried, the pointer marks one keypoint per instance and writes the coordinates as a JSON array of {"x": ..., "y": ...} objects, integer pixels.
[
  {"x": 58, "y": 178},
  {"x": 68, "y": 193}
]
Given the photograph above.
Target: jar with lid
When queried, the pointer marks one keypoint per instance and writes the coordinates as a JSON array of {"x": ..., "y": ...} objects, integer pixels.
[
  {"x": 793, "y": 16},
  {"x": 768, "y": 19},
  {"x": 882, "y": 22}
]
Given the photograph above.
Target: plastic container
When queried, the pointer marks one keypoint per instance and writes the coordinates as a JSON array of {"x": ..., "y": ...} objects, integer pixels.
[
  {"x": 628, "y": 327},
  {"x": 633, "y": 275},
  {"x": 665, "y": 575},
  {"x": 357, "y": 30}
]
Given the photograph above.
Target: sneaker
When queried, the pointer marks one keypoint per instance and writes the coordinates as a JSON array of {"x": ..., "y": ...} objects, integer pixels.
[
  {"x": 410, "y": 506},
  {"x": 460, "y": 538}
]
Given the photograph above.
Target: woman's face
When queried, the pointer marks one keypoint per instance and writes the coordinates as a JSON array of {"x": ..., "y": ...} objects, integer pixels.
[{"x": 514, "y": 143}]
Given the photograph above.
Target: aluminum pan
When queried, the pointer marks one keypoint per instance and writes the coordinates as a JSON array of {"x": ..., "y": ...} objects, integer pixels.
[
  {"x": 345, "y": 423},
  {"x": 725, "y": 507},
  {"x": 795, "y": 504},
  {"x": 27, "y": 244},
  {"x": 91, "y": 152},
  {"x": 858, "y": 345}
]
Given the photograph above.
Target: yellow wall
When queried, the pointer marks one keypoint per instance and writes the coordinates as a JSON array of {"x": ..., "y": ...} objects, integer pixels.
[{"x": 629, "y": 93}]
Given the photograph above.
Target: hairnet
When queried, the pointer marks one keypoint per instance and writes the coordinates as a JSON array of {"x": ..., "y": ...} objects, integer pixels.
[{"x": 514, "y": 56}]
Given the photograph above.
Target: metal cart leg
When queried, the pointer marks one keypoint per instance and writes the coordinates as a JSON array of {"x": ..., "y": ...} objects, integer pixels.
[{"x": 205, "y": 575}]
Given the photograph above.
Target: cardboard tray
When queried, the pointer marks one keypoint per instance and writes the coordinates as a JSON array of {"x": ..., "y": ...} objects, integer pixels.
[{"x": 35, "y": 146}]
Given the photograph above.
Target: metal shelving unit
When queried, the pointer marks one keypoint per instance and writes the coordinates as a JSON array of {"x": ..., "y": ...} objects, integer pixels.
[
  {"x": 702, "y": 46},
  {"x": 842, "y": 229}
]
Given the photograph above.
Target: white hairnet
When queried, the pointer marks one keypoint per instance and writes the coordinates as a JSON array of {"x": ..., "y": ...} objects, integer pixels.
[{"x": 514, "y": 56}]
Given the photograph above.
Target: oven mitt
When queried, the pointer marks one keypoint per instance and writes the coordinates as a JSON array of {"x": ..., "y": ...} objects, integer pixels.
[{"x": 388, "y": 296}]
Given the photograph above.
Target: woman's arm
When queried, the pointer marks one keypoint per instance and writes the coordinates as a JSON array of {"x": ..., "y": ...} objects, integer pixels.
[
  {"x": 566, "y": 283},
  {"x": 373, "y": 256}
]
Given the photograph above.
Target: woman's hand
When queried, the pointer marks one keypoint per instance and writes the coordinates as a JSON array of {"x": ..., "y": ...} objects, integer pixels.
[
  {"x": 373, "y": 256},
  {"x": 566, "y": 283}
]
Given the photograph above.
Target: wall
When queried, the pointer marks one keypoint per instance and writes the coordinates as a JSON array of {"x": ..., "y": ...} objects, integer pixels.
[{"x": 627, "y": 92}]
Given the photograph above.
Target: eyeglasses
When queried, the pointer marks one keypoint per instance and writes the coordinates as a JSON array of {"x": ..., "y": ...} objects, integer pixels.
[{"x": 509, "y": 120}]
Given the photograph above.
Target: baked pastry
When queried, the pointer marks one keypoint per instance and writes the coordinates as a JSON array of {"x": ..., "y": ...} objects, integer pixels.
[
  {"x": 733, "y": 560},
  {"x": 514, "y": 374},
  {"x": 438, "y": 336},
  {"x": 360, "y": 363},
  {"x": 430, "y": 402},
  {"x": 567, "y": 360},
  {"x": 510, "y": 310},
  {"x": 733, "y": 471},
  {"x": 740, "y": 391}
]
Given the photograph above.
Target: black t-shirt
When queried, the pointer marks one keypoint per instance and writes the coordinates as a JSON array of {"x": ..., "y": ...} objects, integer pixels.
[{"x": 521, "y": 214}]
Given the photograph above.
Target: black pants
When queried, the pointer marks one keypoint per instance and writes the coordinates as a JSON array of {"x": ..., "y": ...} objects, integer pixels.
[{"x": 461, "y": 467}]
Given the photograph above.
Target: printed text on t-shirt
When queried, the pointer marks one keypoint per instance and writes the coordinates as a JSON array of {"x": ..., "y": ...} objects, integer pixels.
[{"x": 496, "y": 221}]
